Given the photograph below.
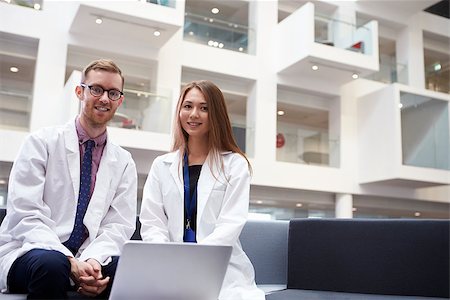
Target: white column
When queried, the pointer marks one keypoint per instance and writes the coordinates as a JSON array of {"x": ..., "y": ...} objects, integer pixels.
[
  {"x": 160, "y": 112},
  {"x": 344, "y": 206},
  {"x": 409, "y": 51},
  {"x": 262, "y": 99}
]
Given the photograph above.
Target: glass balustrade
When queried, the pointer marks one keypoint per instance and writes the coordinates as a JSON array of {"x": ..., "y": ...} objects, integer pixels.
[
  {"x": 341, "y": 34},
  {"x": 390, "y": 72},
  {"x": 437, "y": 77},
  {"x": 217, "y": 33},
  {"x": 35, "y": 4},
  {"x": 15, "y": 108},
  {"x": 306, "y": 147},
  {"x": 142, "y": 110},
  {"x": 425, "y": 131},
  {"x": 168, "y": 3}
]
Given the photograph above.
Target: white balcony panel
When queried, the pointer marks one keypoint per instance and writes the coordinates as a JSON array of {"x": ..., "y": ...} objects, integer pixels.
[
  {"x": 337, "y": 60},
  {"x": 391, "y": 154},
  {"x": 127, "y": 22}
]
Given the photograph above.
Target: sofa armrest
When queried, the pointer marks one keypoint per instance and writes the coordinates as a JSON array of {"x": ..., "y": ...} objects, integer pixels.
[{"x": 265, "y": 243}]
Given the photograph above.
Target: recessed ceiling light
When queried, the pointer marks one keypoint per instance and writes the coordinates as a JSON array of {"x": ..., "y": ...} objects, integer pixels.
[
  {"x": 211, "y": 20},
  {"x": 14, "y": 69},
  {"x": 315, "y": 67},
  {"x": 400, "y": 105},
  {"x": 37, "y": 6},
  {"x": 3, "y": 181},
  {"x": 210, "y": 43},
  {"x": 215, "y": 44},
  {"x": 191, "y": 33},
  {"x": 355, "y": 76},
  {"x": 354, "y": 209},
  {"x": 157, "y": 32},
  {"x": 215, "y": 10},
  {"x": 259, "y": 202},
  {"x": 417, "y": 214},
  {"x": 241, "y": 49},
  {"x": 280, "y": 112},
  {"x": 98, "y": 21},
  {"x": 437, "y": 67},
  {"x": 221, "y": 45},
  {"x": 298, "y": 205}
]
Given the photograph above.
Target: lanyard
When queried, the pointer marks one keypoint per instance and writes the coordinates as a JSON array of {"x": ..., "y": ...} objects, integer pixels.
[{"x": 189, "y": 202}]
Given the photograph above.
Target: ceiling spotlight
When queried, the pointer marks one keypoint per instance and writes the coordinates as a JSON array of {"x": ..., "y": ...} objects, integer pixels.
[
  {"x": 355, "y": 76},
  {"x": 354, "y": 209},
  {"x": 400, "y": 105},
  {"x": 157, "y": 32},
  {"x": 37, "y": 6},
  {"x": 98, "y": 21},
  {"x": 191, "y": 33},
  {"x": 437, "y": 67},
  {"x": 220, "y": 45},
  {"x": 259, "y": 202},
  {"x": 14, "y": 69},
  {"x": 298, "y": 205},
  {"x": 280, "y": 112},
  {"x": 417, "y": 214},
  {"x": 211, "y": 20},
  {"x": 241, "y": 49},
  {"x": 315, "y": 67},
  {"x": 215, "y": 10},
  {"x": 216, "y": 44}
]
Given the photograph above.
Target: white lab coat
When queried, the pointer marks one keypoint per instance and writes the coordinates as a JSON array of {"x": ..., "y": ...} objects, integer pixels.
[
  {"x": 43, "y": 196},
  {"x": 222, "y": 209}
]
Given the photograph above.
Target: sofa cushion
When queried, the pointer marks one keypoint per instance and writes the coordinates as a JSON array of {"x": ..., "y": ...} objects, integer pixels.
[{"x": 391, "y": 257}]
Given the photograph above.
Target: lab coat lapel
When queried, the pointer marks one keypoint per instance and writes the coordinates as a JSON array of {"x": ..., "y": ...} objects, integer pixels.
[
  {"x": 73, "y": 156},
  {"x": 205, "y": 185},
  {"x": 105, "y": 173},
  {"x": 176, "y": 170}
]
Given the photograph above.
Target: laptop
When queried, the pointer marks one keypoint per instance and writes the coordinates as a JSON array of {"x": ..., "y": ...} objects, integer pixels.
[{"x": 170, "y": 271}]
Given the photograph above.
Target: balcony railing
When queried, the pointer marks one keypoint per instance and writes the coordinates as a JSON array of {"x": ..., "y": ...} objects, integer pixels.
[
  {"x": 15, "y": 110},
  {"x": 390, "y": 72},
  {"x": 142, "y": 110},
  {"x": 168, "y": 3},
  {"x": 314, "y": 149},
  {"x": 341, "y": 34},
  {"x": 217, "y": 33},
  {"x": 425, "y": 131}
]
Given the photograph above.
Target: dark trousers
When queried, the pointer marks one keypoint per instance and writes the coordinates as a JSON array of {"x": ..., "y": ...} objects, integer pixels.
[{"x": 44, "y": 274}]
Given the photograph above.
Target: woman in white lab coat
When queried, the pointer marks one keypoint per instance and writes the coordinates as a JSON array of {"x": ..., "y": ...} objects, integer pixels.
[{"x": 200, "y": 191}]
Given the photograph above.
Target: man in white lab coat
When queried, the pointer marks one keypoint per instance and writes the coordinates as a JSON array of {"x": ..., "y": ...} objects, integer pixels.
[{"x": 71, "y": 199}]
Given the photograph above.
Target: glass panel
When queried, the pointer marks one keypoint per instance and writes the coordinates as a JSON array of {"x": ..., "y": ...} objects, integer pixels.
[
  {"x": 216, "y": 33},
  {"x": 261, "y": 211},
  {"x": 390, "y": 71},
  {"x": 303, "y": 131},
  {"x": 425, "y": 131},
  {"x": 36, "y": 4},
  {"x": 169, "y": 3},
  {"x": 144, "y": 110},
  {"x": 5, "y": 169},
  {"x": 437, "y": 71},
  {"x": 18, "y": 57},
  {"x": 337, "y": 33}
]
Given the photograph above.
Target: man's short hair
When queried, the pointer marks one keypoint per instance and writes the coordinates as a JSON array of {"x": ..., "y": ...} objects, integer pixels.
[{"x": 102, "y": 64}]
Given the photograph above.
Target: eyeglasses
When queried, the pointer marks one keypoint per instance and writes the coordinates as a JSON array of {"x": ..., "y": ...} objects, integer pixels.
[{"x": 98, "y": 91}]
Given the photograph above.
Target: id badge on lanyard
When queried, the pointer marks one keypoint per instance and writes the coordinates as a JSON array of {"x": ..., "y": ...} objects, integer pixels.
[{"x": 189, "y": 203}]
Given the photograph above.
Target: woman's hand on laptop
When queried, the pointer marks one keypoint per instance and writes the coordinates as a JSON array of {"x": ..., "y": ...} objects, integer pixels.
[{"x": 91, "y": 281}]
